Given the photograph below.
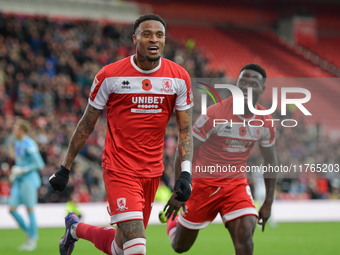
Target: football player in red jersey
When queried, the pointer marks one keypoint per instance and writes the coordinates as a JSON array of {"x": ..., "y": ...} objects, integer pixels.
[
  {"x": 140, "y": 93},
  {"x": 226, "y": 146}
]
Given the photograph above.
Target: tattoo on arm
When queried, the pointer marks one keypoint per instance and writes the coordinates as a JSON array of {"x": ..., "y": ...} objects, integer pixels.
[
  {"x": 81, "y": 134},
  {"x": 177, "y": 165},
  {"x": 185, "y": 134},
  {"x": 132, "y": 229}
]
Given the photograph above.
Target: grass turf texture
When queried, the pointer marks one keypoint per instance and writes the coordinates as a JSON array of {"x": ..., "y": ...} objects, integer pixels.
[{"x": 287, "y": 238}]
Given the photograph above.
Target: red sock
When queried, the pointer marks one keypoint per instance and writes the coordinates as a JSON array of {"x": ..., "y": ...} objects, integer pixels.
[
  {"x": 171, "y": 228},
  {"x": 101, "y": 237}
]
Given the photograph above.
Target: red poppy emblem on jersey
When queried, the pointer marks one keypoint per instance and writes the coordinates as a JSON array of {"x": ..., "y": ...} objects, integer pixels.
[
  {"x": 147, "y": 84},
  {"x": 167, "y": 86},
  {"x": 242, "y": 131}
]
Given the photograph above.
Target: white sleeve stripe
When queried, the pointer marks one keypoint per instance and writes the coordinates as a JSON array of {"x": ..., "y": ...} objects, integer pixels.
[
  {"x": 198, "y": 137},
  {"x": 182, "y": 94},
  {"x": 102, "y": 95},
  {"x": 267, "y": 144},
  {"x": 268, "y": 138},
  {"x": 95, "y": 105},
  {"x": 185, "y": 107}
]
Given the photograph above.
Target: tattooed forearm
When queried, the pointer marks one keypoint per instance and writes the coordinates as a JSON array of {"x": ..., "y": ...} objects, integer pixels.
[
  {"x": 132, "y": 229},
  {"x": 81, "y": 134},
  {"x": 185, "y": 135}
]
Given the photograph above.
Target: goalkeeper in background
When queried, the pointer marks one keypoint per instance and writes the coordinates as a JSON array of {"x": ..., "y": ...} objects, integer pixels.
[{"x": 25, "y": 181}]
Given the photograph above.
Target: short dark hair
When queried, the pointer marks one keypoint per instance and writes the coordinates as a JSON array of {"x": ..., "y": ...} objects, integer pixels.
[
  {"x": 256, "y": 68},
  {"x": 149, "y": 16}
]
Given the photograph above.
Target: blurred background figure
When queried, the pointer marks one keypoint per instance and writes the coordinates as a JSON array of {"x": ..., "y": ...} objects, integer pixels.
[
  {"x": 5, "y": 186},
  {"x": 25, "y": 181},
  {"x": 73, "y": 205}
]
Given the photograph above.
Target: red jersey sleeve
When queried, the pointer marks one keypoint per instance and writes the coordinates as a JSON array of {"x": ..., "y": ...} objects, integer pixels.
[
  {"x": 99, "y": 91},
  {"x": 185, "y": 99}
]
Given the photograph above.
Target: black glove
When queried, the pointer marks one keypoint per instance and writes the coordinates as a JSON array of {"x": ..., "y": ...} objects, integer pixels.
[
  {"x": 59, "y": 179},
  {"x": 184, "y": 183}
]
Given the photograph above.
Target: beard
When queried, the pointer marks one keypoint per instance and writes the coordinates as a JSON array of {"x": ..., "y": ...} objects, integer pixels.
[{"x": 153, "y": 59}]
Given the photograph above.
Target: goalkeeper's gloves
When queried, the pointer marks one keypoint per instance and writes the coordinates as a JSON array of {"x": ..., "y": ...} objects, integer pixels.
[{"x": 16, "y": 171}]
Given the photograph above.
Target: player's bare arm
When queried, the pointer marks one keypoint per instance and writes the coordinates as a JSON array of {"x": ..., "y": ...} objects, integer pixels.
[
  {"x": 173, "y": 206},
  {"x": 81, "y": 134},
  {"x": 268, "y": 153},
  {"x": 79, "y": 138},
  {"x": 185, "y": 134},
  {"x": 177, "y": 165},
  {"x": 183, "y": 159}
]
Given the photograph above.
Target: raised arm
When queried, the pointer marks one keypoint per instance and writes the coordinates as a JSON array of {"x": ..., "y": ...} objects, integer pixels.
[
  {"x": 78, "y": 140},
  {"x": 268, "y": 154}
]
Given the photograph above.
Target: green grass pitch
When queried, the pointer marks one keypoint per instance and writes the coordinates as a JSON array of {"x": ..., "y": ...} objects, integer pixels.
[{"x": 285, "y": 239}]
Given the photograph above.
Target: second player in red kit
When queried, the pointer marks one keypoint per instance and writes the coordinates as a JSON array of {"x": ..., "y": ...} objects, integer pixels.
[{"x": 226, "y": 192}]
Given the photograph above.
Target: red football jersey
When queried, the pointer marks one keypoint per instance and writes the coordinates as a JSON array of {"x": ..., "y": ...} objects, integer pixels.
[
  {"x": 139, "y": 104},
  {"x": 227, "y": 143}
]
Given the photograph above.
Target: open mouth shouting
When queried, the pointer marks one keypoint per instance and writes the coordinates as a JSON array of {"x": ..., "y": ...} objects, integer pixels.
[{"x": 153, "y": 49}]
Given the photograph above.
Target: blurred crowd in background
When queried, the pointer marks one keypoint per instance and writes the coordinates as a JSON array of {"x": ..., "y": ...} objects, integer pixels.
[{"x": 46, "y": 72}]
